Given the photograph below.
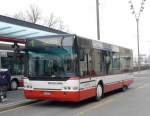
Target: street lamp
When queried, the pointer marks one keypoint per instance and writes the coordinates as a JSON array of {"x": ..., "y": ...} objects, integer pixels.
[
  {"x": 137, "y": 17},
  {"x": 97, "y": 15}
]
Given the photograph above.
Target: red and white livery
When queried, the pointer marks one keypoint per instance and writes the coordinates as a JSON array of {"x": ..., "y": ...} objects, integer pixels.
[{"x": 72, "y": 68}]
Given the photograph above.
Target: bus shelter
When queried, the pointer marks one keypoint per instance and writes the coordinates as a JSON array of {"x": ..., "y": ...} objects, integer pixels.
[{"x": 13, "y": 34}]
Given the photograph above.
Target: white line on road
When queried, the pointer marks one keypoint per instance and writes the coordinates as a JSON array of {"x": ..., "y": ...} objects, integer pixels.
[{"x": 100, "y": 104}]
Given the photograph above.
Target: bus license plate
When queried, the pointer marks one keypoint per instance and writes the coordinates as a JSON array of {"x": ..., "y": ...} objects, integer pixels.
[{"x": 47, "y": 93}]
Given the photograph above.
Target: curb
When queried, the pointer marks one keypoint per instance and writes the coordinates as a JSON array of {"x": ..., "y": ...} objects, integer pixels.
[{"x": 17, "y": 105}]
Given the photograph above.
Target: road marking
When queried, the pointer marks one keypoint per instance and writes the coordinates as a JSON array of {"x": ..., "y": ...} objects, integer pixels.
[
  {"x": 100, "y": 104},
  {"x": 19, "y": 108}
]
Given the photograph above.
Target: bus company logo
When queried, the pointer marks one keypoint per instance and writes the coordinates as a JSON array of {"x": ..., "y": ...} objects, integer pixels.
[{"x": 54, "y": 83}]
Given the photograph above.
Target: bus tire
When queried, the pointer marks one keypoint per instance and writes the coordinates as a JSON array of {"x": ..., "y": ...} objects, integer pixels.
[
  {"x": 124, "y": 88},
  {"x": 99, "y": 92},
  {"x": 14, "y": 85}
]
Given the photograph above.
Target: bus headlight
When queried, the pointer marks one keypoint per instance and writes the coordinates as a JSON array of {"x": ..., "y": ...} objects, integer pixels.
[
  {"x": 70, "y": 88},
  {"x": 75, "y": 88},
  {"x": 28, "y": 86},
  {"x": 65, "y": 88}
]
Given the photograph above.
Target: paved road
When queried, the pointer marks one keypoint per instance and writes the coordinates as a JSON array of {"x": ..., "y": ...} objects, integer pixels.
[
  {"x": 134, "y": 102},
  {"x": 15, "y": 99}
]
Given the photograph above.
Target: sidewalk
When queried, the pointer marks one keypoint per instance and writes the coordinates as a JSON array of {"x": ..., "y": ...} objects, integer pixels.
[{"x": 15, "y": 99}]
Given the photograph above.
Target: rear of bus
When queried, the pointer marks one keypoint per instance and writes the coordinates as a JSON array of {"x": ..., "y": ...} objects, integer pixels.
[{"x": 51, "y": 69}]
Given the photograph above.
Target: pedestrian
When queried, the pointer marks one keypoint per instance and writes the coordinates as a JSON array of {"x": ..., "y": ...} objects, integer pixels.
[
  {"x": 107, "y": 61},
  {"x": 4, "y": 83}
]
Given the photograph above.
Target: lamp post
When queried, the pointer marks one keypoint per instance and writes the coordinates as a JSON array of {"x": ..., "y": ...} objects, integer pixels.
[
  {"x": 138, "y": 46},
  {"x": 97, "y": 17},
  {"x": 137, "y": 18}
]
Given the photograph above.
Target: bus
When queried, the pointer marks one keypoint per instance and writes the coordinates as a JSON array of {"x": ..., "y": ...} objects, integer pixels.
[
  {"x": 72, "y": 68},
  {"x": 14, "y": 62},
  {"x": 12, "y": 58}
]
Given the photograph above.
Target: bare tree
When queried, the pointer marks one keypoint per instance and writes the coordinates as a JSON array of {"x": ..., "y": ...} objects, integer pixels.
[
  {"x": 56, "y": 23},
  {"x": 33, "y": 14},
  {"x": 52, "y": 21},
  {"x": 19, "y": 16},
  {"x": 61, "y": 25}
]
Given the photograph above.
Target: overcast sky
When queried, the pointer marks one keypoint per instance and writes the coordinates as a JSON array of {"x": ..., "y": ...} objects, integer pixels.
[{"x": 117, "y": 24}]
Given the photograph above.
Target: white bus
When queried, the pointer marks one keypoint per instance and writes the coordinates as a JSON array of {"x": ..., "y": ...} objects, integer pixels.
[
  {"x": 72, "y": 68},
  {"x": 12, "y": 60}
]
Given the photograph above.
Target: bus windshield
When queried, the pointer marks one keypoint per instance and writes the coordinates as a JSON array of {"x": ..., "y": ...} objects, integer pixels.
[{"x": 49, "y": 59}]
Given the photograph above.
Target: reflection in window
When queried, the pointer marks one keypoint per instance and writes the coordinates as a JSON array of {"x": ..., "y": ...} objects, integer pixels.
[
  {"x": 85, "y": 62},
  {"x": 116, "y": 61},
  {"x": 14, "y": 63},
  {"x": 57, "y": 62}
]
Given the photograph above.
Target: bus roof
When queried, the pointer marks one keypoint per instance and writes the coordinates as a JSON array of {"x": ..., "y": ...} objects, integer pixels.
[{"x": 88, "y": 43}]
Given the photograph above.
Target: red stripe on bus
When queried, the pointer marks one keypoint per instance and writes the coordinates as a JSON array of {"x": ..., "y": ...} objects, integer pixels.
[
  {"x": 128, "y": 82},
  {"x": 5, "y": 39},
  {"x": 21, "y": 84},
  {"x": 85, "y": 94},
  {"x": 52, "y": 95},
  {"x": 117, "y": 85},
  {"x": 73, "y": 96},
  {"x": 60, "y": 95}
]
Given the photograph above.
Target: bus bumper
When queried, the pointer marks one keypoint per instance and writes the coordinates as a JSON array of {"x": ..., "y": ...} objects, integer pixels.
[{"x": 52, "y": 95}]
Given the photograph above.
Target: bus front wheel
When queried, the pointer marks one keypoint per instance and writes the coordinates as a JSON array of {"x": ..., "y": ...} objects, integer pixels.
[
  {"x": 99, "y": 92},
  {"x": 14, "y": 85},
  {"x": 124, "y": 88}
]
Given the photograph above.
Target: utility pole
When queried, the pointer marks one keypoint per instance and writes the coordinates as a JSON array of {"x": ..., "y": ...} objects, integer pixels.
[
  {"x": 97, "y": 17},
  {"x": 137, "y": 18},
  {"x": 138, "y": 46}
]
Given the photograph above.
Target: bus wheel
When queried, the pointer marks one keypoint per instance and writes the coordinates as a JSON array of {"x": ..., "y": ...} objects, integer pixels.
[
  {"x": 14, "y": 85},
  {"x": 124, "y": 88},
  {"x": 99, "y": 92}
]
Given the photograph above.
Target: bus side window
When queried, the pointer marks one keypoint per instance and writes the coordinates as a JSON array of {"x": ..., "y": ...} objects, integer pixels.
[
  {"x": 95, "y": 62},
  {"x": 85, "y": 62},
  {"x": 115, "y": 63},
  {"x": 105, "y": 62}
]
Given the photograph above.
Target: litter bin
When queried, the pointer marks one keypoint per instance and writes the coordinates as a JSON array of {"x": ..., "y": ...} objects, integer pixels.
[{"x": 4, "y": 83}]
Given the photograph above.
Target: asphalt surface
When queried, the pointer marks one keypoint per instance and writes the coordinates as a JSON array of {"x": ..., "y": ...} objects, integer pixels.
[
  {"x": 15, "y": 99},
  {"x": 133, "y": 102}
]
